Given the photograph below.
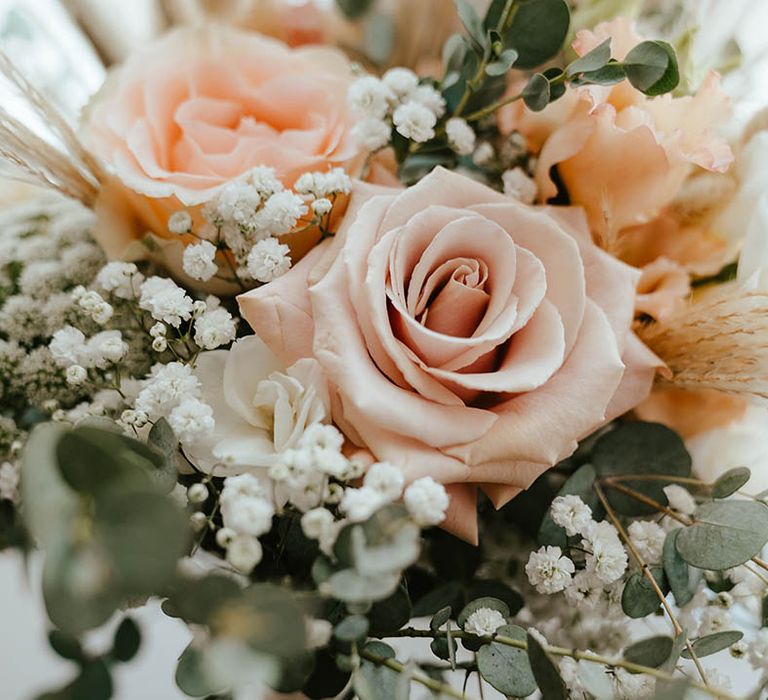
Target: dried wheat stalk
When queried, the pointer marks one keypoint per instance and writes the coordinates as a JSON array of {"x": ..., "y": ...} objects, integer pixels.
[{"x": 718, "y": 343}]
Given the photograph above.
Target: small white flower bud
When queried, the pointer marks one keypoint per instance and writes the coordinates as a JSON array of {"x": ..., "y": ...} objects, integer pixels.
[
  {"x": 199, "y": 521},
  {"x": 197, "y": 493},
  {"x": 76, "y": 375},
  {"x": 224, "y": 536},
  {"x": 322, "y": 206},
  {"x": 159, "y": 329},
  {"x": 159, "y": 344},
  {"x": 199, "y": 308},
  {"x": 180, "y": 222}
]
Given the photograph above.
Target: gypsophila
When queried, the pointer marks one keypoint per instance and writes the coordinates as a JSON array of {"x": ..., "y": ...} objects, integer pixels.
[
  {"x": 370, "y": 96},
  {"x": 216, "y": 327},
  {"x": 244, "y": 553},
  {"x": 426, "y": 501},
  {"x": 518, "y": 184},
  {"x": 281, "y": 213},
  {"x": 76, "y": 374},
  {"x": 67, "y": 346},
  {"x": 165, "y": 387},
  {"x": 548, "y": 570},
  {"x": 192, "y": 421},
  {"x": 648, "y": 538},
  {"x": 372, "y": 133},
  {"x": 430, "y": 98},
  {"x": 199, "y": 261},
  {"x": 400, "y": 81},
  {"x": 484, "y": 622},
  {"x": 607, "y": 559},
  {"x": 461, "y": 136},
  {"x": 10, "y": 476},
  {"x": 680, "y": 499},
  {"x": 180, "y": 222},
  {"x": 386, "y": 479},
  {"x": 415, "y": 122},
  {"x": 165, "y": 301},
  {"x": 361, "y": 504},
  {"x": 268, "y": 260},
  {"x": 571, "y": 513},
  {"x": 121, "y": 279}
]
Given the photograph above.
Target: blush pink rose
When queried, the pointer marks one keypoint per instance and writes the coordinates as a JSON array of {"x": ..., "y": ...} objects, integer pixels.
[
  {"x": 621, "y": 155},
  {"x": 203, "y": 106},
  {"x": 466, "y": 336}
]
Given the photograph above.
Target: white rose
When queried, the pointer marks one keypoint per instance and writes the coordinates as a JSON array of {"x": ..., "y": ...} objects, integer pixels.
[{"x": 260, "y": 407}]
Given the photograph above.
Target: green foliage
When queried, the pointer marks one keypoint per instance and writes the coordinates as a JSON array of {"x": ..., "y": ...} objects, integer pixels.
[
  {"x": 651, "y": 652},
  {"x": 729, "y": 483},
  {"x": 652, "y": 68},
  {"x": 373, "y": 681},
  {"x": 725, "y": 534},
  {"x": 127, "y": 641},
  {"x": 639, "y": 598},
  {"x": 640, "y": 449},
  {"x": 190, "y": 677},
  {"x": 351, "y": 629},
  {"x": 712, "y": 643},
  {"x": 354, "y": 9},
  {"x": 65, "y": 645},
  {"x": 536, "y": 93},
  {"x": 682, "y": 580},
  {"x": 545, "y": 671},
  {"x": 596, "y": 59},
  {"x": 538, "y": 31},
  {"x": 507, "y": 668}
]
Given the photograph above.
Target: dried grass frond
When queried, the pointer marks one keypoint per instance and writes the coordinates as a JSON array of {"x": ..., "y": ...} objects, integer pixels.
[
  {"x": 71, "y": 170},
  {"x": 720, "y": 343}
]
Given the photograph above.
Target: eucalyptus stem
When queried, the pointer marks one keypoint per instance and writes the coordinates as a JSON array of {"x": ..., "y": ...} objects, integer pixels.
[
  {"x": 413, "y": 633},
  {"x": 648, "y": 574},
  {"x": 422, "y": 679}
]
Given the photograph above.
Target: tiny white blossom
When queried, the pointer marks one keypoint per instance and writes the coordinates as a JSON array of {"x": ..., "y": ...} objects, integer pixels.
[
  {"x": 281, "y": 213},
  {"x": 585, "y": 591},
  {"x": 158, "y": 330},
  {"x": 680, "y": 499},
  {"x": 67, "y": 346},
  {"x": 323, "y": 436},
  {"x": 268, "y": 260},
  {"x": 571, "y": 513},
  {"x": 224, "y": 536},
  {"x": 215, "y": 328},
  {"x": 569, "y": 672},
  {"x": 121, "y": 279},
  {"x": 165, "y": 301},
  {"x": 244, "y": 553},
  {"x": 197, "y": 493},
  {"x": 371, "y": 133},
  {"x": 607, "y": 559},
  {"x": 321, "y": 184},
  {"x": 648, "y": 538},
  {"x": 400, "y": 80},
  {"x": 426, "y": 501},
  {"x": 76, "y": 374},
  {"x": 265, "y": 181},
  {"x": 633, "y": 686},
  {"x": 483, "y": 154},
  {"x": 192, "y": 420},
  {"x": 166, "y": 386},
  {"x": 461, "y": 136},
  {"x": 10, "y": 477},
  {"x": 180, "y": 222},
  {"x": 321, "y": 207},
  {"x": 713, "y": 619},
  {"x": 160, "y": 344},
  {"x": 518, "y": 184},
  {"x": 104, "y": 348},
  {"x": 484, "y": 622},
  {"x": 318, "y": 633},
  {"x": 758, "y": 649},
  {"x": 415, "y": 122},
  {"x": 548, "y": 570},
  {"x": 314, "y": 522},
  {"x": 386, "y": 479},
  {"x": 370, "y": 96},
  {"x": 248, "y": 515},
  {"x": 429, "y": 97},
  {"x": 199, "y": 261},
  {"x": 361, "y": 504}
]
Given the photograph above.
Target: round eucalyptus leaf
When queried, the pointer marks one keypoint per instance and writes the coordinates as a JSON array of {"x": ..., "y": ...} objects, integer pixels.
[
  {"x": 440, "y": 618},
  {"x": 127, "y": 641},
  {"x": 642, "y": 449},
  {"x": 639, "y": 599},
  {"x": 93, "y": 683},
  {"x": 389, "y": 615},
  {"x": 373, "y": 681},
  {"x": 725, "y": 534},
  {"x": 591, "y": 61},
  {"x": 352, "y": 587},
  {"x": 652, "y": 68},
  {"x": 677, "y": 571},
  {"x": 730, "y": 482},
  {"x": 536, "y": 93},
  {"x": 712, "y": 643},
  {"x": 538, "y": 31},
  {"x": 191, "y": 677},
  {"x": 351, "y": 629},
  {"x": 651, "y": 652},
  {"x": 545, "y": 671},
  {"x": 507, "y": 668},
  {"x": 65, "y": 645}
]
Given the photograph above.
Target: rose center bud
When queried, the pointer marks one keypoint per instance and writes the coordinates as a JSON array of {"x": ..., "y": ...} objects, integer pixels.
[{"x": 457, "y": 284}]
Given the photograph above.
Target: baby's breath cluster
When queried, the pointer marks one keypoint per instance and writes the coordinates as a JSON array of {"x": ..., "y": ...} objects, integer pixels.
[{"x": 244, "y": 236}]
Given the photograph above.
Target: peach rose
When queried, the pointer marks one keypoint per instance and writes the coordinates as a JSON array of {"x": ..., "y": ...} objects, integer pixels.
[
  {"x": 621, "y": 155},
  {"x": 202, "y": 106},
  {"x": 466, "y": 336}
]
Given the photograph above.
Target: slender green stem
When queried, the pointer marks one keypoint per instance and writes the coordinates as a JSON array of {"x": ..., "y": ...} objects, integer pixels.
[
  {"x": 490, "y": 109},
  {"x": 416, "y": 676},
  {"x": 413, "y": 633},
  {"x": 648, "y": 574}
]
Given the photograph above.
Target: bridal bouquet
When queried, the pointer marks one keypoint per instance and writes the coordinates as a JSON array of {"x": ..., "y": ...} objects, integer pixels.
[{"x": 331, "y": 356}]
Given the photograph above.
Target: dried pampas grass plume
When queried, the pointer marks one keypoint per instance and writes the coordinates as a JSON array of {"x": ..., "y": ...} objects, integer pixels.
[
  {"x": 70, "y": 169},
  {"x": 718, "y": 343}
]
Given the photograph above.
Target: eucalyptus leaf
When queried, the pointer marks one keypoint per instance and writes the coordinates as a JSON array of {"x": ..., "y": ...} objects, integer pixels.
[
  {"x": 592, "y": 61},
  {"x": 389, "y": 615},
  {"x": 536, "y": 93},
  {"x": 677, "y": 570},
  {"x": 162, "y": 437},
  {"x": 352, "y": 587},
  {"x": 67, "y": 646},
  {"x": 351, "y": 629},
  {"x": 379, "y": 38},
  {"x": 454, "y": 50},
  {"x": 374, "y": 681},
  {"x": 471, "y": 21},
  {"x": 652, "y": 68},
  {"x": 503, "y": 63},
  {"x": 127, "y": 641},
  {"x": 545, "y": 671},
  {"x": 730, "y": 482},
  {"x": 440, "y": 618},
  {"x": 679, "y": 643},
  {"x": 505, "y": 667},
  {"x": 610, "y": 74},
  {"x": 538, "y": 31},
  {"x": 725, "y": 534},
  {"x": 93, "y": 683},
  {"x": 639, "y": 599},
  {"x": 595, "y": 680},
  {"x": 354, "y": 9},
  {"x": 651, "y": 652},
  {"x": 643, "y": 449},
  {"x": 712, "y": 643},
  {"x": 191, "y": 677}
]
